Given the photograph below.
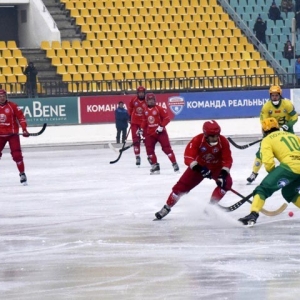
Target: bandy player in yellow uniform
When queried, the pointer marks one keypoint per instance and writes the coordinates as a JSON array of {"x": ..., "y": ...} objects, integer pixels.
[
  {"x": 283, "y": 111},
  {"x": 285, "y": 147}
]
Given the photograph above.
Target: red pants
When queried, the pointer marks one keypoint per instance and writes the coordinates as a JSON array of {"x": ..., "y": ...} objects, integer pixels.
[
  {"x": 15, "y": 150},
  {"x": 191, "y": 179},
  {"x": 136, "y": 139},
  {"x": 164, "y": 141}
]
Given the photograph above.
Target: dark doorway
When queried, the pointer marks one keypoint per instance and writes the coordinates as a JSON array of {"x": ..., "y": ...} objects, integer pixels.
[{"x": 9, "y": 23}]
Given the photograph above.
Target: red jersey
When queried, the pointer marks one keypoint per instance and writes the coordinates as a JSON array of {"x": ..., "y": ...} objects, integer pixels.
[
  {"x": 11, "y": 116},
  {"x": 136, "y": 109},
  {"x": 153, "y": 117},
  {"x": 213, "y": 157}
]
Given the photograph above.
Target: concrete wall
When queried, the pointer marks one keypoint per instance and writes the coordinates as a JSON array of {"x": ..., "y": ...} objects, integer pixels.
[{"x": 40, "y": 25}]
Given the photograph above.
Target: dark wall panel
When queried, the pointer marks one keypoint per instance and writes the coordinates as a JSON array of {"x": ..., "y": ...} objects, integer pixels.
[{"x": 9, "y": 24}]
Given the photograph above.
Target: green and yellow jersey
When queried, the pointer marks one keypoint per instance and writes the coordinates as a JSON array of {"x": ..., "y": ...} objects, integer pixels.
[
  {"x": 285, "y": 113},
  {"x": 285, "y": 147}
]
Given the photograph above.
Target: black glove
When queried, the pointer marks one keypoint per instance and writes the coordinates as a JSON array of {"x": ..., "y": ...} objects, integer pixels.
[
  {"x": 205, "y": 172},
  {"x": 221, "y": 181}
]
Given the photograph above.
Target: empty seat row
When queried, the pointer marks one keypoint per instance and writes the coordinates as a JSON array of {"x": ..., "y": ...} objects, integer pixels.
[
  {"x": 96, "y": 25},
  {"x": 7, "y": 53},
  {"x": 140, "y": 4},
  {"x": 241, "y": 53},
  {"x": 212, "y": 12},
  {"x": 11, "y": 45},
  {"x": 212, "y": 68},
  {"x": 13, "y": 61},
  {"x": 150, "y": 19}
]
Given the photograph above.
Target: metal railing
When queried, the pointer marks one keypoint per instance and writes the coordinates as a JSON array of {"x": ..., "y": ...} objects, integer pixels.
[{"x": 158, "y": 85}]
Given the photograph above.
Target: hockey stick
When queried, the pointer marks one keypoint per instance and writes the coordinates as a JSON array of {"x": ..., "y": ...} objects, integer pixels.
[
  {"x": 243, "y": 146},
  {"x": 122, "y": 150},
  {"x": 237, "y": 204},
  {"x": 264, "y": 211},
  {"x": 30, "y": 134},
  {"x": 110, "y": 145}
]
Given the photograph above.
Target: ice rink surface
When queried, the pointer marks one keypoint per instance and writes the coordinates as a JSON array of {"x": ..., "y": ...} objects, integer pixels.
[{"x": 84, "y": 229}]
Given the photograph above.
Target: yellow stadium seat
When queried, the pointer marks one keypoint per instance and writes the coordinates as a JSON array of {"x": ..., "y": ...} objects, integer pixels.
[
  {"x": 22, "y": 62},
  {"x": 128, "y": 60},
  {"x": 91, "y": 36},
  {"x": 2, "y": 78},
  {"x": 262, "y": 64},
  {"x": 116, "y": 44},
  {"x": 220, "y": 72},
  {"x": 82, "y": 69},
  {"x": 233, "y": 65},
  {"x": 108, "y": 60},
  {"x": 66, "y": 45},
  {"x": 118, "y": 60},
  {"x": 61, "y": 52},
  {"x": 55, "y": 61},
  {"x": 55, "y": 45},
  {"x": 92, "y": 69},
  {"x": 76, "y": 44},
  {"x": 12, "y": 62},
  {"x": 256, "y": 56},
  {"x": 11, "y": 45},
  {"x": 92, "y": 52},
  {"x": 240, "y": 72},
  {"x": 253, "y": 64},
  {"x": 61, "y": 69},
  {"x": 96, "y": 44},
  {"x": 2, "y": 45},
  {"x": 98, "y": 76},
  {"x": 45, "y": 45},
  {"x": 246, "y": 55},
  {"x": 72, "y": 61},
  {"x": 82, "y": 52},
  {"x": 6, "y": 53},
  {"x": 17, "y": 70}
]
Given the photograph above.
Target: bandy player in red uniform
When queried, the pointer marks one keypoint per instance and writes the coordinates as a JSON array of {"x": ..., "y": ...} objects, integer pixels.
[
  {"x": 136, "y": 109},
  {"x": 153, "y": 128},
  {"x": 207, "y": 155},
  {"x": 11, "y": 117}
]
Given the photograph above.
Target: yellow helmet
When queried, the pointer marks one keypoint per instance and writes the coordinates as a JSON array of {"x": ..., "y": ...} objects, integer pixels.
[
  {"x": 275, "y": 89},
  {"x": 269, "y": 123}
]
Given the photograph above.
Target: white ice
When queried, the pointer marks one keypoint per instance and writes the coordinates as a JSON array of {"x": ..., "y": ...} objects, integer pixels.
[{"x": 84, "y": 229}]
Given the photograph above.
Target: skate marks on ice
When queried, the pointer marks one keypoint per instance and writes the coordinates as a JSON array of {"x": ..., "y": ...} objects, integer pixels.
[{"x": 52, "y": 251}]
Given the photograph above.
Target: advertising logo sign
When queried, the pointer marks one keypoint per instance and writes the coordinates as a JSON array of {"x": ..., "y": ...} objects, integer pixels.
[
  {"x": 176, "y": 104},
  {"x": 53, "y": 111},
  {"x": 101, "y": 109}
]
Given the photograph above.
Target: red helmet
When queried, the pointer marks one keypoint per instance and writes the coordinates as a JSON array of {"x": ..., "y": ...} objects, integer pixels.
[
  {"x": 141, "y": 92},
  {"x": 211, "y": 128}
]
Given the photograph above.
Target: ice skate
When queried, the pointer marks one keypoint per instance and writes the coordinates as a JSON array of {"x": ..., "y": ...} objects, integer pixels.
[
  {"x": 252, "y": 177},
  {"x": 138, "y": 160},
  {"x": 163, "y": 212},
  {"x": 175, "y": 167},
  {"x": 155, "y": 169},
  {"x": 23, "y": 178},
  {"x": 250, "y": 220}
]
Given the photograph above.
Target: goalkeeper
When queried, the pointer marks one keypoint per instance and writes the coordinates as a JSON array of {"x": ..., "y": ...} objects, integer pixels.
[{"x": 283, "y": 111}]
